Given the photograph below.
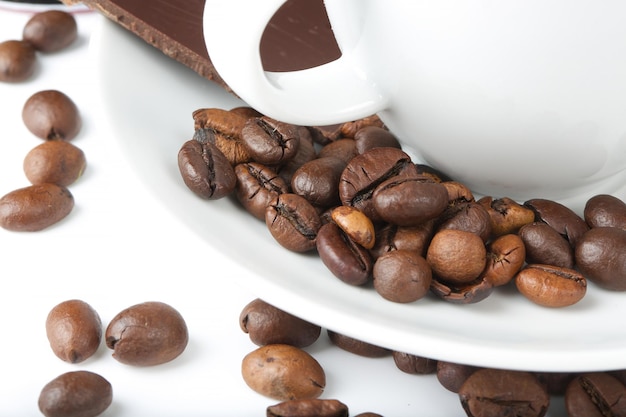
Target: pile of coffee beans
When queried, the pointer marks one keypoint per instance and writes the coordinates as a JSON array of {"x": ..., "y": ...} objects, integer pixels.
[
  {"x": 145, "y": 334},
  {"x": 351, "y": 194}
]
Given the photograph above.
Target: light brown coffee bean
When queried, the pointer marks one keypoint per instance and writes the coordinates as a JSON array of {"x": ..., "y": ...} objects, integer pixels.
[
  {"x": 35, "y": 207},
  {"x": 507, "y": 215},
  {"x": 50, "y": 114},
  {"x": 147, "y": 334},
  {"x": 505, "y": 257},
  {"x": 76, "y": 394},
  {"x": 355, "y": 224},
  {"x": 226, "y": 128},
  {"x": 74, "y": 330},
  {"x": 315, "y": 407},
  {"x": 54, "y": 161},
  {"x": 457, "y": 256},
  {"x": 18, "y": 60},
  {"x": 356, "y": 346},
  {"x": 283, "y": 372},
  {"x": 51, "y": 30},
  {"x": 551, "y": 286}
]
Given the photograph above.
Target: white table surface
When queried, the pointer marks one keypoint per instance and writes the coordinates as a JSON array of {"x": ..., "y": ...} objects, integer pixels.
[{"x": 118, "y": 231}]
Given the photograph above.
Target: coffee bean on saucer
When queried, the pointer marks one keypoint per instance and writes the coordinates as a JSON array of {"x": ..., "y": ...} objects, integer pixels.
[
  {"x": 601, "y": 256},
  {"x": 551, "y": 286},
  {"x": 205, "y": 170},
  {"x": 605, "y": 210},
  {"x": 17, "y": 61}
]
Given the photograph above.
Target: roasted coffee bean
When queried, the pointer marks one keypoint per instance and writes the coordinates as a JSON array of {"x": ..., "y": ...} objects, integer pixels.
[
  {"x": 315, "y": 407},
  {"x": 468, "y": 216},
  {"x": 205, "y": 170},
  {"x": 345, "y": 259},
  {"x": 318, "y": 181},
  {"x": 596, "y": 394},
  {"x": 452, "y": 375},
  {"x": 146, "y": 334},
  {"x": 293, "y": 222},
  {"x": 561, "y": 218},
  {"x": 495, "y": 392},
  {"x": 619, "y": 374},
  {"x": 457, "y": 256},
  {"x": 226, "y": 127},
  {"x": 266, "y": 324},
  {"x": 51, "y": 30},
  {"x": 50, "y": 114},
  {"x": 551, "y": 286},
  {"x": 413, "y": 364},
  {"x": 458, "y": 193},
  {"x": 306, "y": 152},
  {"x": 357, "y": 347},
  {"x": 601, "y": 256},
  {"x": 402, "y": 276},
  {"x": 506, "y": 255},
  {"x": 54, "y": 161},
  {"x": 544, "y": 245},
  {"x": 246, "y": 111},
  {"x": 409, "y": 200},
  {"x": 465, "y": 293},
  {"x": 391, "y": 237},
  {"x": 344, "y": 149},
  {"x": 371, "y": 137},
  {"x": 257, "y": 186},
  {"x": 76, "y": 394},
  {"x": 283, "y": 372},
  {"x": 74, "y": 330},
  {"x": 356, "y": 225},
  {"x": 349, "y": 129},
  {"x": 367, "y": 171},
  {"x": 269, "y": 141},
  {"x": 507, "y": 216},
  {"x": 18, "y": 60},
  {"x": 35, "y": 207},
  {"x": 324, "y": 135},
  {"x": 555, "y": 382},
  {"x": 605, "y": 210}
]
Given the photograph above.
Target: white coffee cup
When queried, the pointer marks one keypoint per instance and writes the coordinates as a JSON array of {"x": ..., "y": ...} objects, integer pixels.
[{"x": 520, "y": 98}]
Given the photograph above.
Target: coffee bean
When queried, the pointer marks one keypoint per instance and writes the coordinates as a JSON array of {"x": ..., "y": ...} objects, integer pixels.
[
  {"x": 266, "y": 324},
  {"x": 283, "y": 372},
  {"x": 468, "y": 216},
  {"x": 595, "y": 394},
  {"x": 74, "y": 330},
  {"x": 458, "y": 193},
  {"x": 18, "y": 60},
  {"x": 35, "y": 207},
  {"x": 269, "y": 141},
  {"x": 495, "y": 392},
  {"x": 544, "y": 245},
  {"x": 457, "y": 256},
  {"x": 413, "y": 364},
  {"x": 402, "y": 276},
  {"x": 205, "y": 170},
  {"x": 306, "y": 153},
  {"x": 226, "y": 127},
  {"x": 462, "y": 293},
  {"x": 50, "y": 114},
  {"x": 75, "y": 394},
  {"x": 561, "y": 218},
  {"x": 308, "y": 408},
  {"x": 54, "y": 161},
  {"x": 506, "y": 255},
  {"x": 391, "y": 237},
  {"x": 605, "y": 211},
  {"x": 344, "y": 149},
  {"x": 371, "y": 137},
  {"x": 51, "y": 30},
  {"x": 357, "y": 347},
  {"x": 257, "y": 186},
  {"x": 146, "y": 334},
  {"x": 551, "y": 286},
  {"x": 349, "y": 129},
  {"x": 452, "y": 375},
  {"x": 555, "y": 382},
  {"x": 318, "y": 181},
  {"x": 293, "y": 222},
  {"x": 507, "y": 216},
  {"x": 356, "y": 225},
  {"x": 601, "y": 256}
]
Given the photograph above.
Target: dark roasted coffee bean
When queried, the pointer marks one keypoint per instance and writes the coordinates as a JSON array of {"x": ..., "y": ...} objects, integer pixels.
[
  {"x": 457, "y": 256},
  {"x": 51, "y": 30},
  {"x": 605, "y": 211},
  {"x": 495, "y": 392},
  {"x": 391, "y": 237},
  {"x": 601, "y": 256},
  {"x": 596, "y": 394},
  {"x": 464, "y": 293},
  {"x": 205, "y": 170},
  {"x": 402, "y": 276},
  {"x": 544, "y": 245},
  {"x": 318, "y": 181},
  {"x": 561, "y": 218},
  {"x": 257, "y": 186},
  {"x": 226, "y": 127},
  {"x": 619, "y": 374},
  {"x": 147, "y": 334},
  {"x": 306, "y": 152},
  {"x": 375, "y": 137},
  {"x": 551, "y": 286},
  {"x": 293, "y": 222},
  {"x": 283, "y": 372},
  {"x": 365, "y": 172},
  {"x": 468, "y": 216},
  {"x": 50, "y": 114},
  {"x": 507, "y": 216},
  {"x": 452, "y": 375},
  {"x": 269, "y": 141},
  {"x": 356, "y": 225},
  {"x": 345, "y": 259},
  {"x": 315, "y": 407},
  {"x": 413, "y": 364},
  {"x": 358, "y": 347},
  {"x": 266, "y": 324},
  {"x": 76, "y": 394},
  {"x": 54, "y": 161},
  {"x": 344, "y": 149},
  {"x": 74, "y": 330},
  {"x": 506, "y": 255},
  {"x": 409, "y": 200},
  {"x": 17, "y": 61},
  {"x": 35, "y": 207}
]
